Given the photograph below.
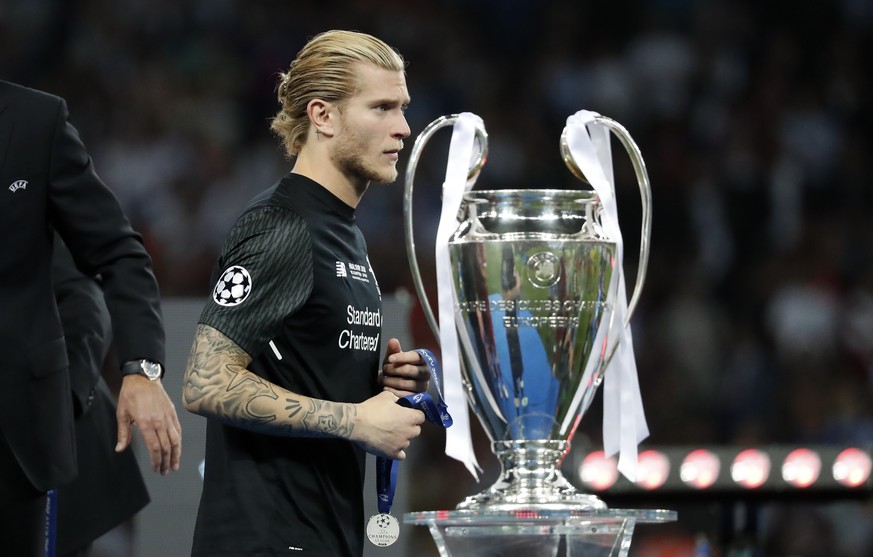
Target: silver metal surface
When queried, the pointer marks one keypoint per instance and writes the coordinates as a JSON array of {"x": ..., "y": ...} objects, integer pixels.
[
  {"x": 415, "y": 155},
  {"x": 531, "y": 274},
  {"x": 642, "y": 176},
  {"x": 532, "y": 271}
]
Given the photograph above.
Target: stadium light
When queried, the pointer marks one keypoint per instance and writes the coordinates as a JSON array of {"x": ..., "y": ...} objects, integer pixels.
[
  {"x": 852, "y": 467},
  {"x": 598, "y": 471},
  {"x": 700, "y": 469},
  {"x": 801, "y": 468},
  {"x": 729, "y": 472},
  {"x": 751, "y": 468},
  {"x": 653, "y": 467}
]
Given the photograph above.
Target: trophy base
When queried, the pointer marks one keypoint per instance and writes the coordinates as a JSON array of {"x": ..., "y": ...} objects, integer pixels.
[
  {"x": 530, "y": 477},
  {"x": 535, "y": 531},
  {"x": 499, "y": 502}
]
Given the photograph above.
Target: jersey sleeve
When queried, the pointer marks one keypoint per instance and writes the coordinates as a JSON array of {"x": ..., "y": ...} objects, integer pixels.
[{"x": 265, "y": 274}]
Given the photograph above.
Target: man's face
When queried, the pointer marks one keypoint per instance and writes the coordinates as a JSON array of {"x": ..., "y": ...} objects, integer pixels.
[{"x": 373, "y": 126}]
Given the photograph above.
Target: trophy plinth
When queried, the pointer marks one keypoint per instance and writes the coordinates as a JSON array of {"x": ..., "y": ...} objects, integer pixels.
[
  {"x": 531, "y": 478},
  {"x": 535, "y": 532}
]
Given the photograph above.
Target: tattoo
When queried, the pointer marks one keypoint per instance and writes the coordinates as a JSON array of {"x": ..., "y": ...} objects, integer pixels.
[
  {"x": 219, "y": 385},
  {"x": 257, "y": 390},
  {"x": 322, "y": 418},
  {"x": 294, "y": 407},
  {"x": 218, "y": 365}
]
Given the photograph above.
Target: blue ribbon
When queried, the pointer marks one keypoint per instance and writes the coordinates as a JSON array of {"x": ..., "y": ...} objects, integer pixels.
[
  {"x": 435, "y": 412},
  {"x": 51, "y": 522}
]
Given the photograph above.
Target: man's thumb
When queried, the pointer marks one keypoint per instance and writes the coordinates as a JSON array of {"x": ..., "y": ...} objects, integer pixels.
[{"x": 123, "y": 434}]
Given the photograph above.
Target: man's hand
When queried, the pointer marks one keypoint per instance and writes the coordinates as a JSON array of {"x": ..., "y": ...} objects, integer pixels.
[
  {"x": 145, "y": 404},
  {"x": 384, "y": 428},
  {"x": 403, "y": 373}
]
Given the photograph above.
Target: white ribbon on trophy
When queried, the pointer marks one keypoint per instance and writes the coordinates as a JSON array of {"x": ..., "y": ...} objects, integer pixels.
[
  {"x": 624, "y": 421},
  {"x": 459, "y": 444}
]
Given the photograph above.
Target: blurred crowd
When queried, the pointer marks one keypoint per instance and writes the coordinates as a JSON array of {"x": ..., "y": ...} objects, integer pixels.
[{"x": 754, "y": 118}]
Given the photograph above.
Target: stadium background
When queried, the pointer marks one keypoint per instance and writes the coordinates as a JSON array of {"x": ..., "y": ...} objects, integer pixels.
[{"x": 756, "y": 325}]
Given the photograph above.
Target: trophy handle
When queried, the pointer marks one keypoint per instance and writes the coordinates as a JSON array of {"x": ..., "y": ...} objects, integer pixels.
[
  {"x": 476, "y": 166},
  {"x": 645, "y": 194}
]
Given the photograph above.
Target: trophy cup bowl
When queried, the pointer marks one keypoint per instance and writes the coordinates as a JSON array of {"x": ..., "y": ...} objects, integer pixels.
[{"x": 531, "y": 272}]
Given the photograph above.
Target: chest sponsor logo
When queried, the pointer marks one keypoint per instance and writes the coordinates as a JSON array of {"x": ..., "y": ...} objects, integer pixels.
[
  {"x": 18, "y": 185},
  {"x": 233, "y": 287},
  {"x": 341, "y": 269},
  {"x": 364, "y": 327}
]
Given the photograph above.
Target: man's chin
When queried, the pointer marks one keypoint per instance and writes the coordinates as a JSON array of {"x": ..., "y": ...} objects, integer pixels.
[{"x": 385, "y": 178}]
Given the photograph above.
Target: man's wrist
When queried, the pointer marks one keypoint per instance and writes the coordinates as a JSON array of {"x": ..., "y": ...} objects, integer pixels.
[{"x": 149, "y": 369}]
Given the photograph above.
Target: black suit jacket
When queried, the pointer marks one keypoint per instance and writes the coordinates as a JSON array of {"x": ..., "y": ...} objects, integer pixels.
[
  {"x": 109, "y": 488},
  {"x": 47, "y": 180}
]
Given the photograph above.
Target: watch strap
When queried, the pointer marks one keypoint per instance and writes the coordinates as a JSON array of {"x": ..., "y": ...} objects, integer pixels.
[{"x": 140, "y": 366}]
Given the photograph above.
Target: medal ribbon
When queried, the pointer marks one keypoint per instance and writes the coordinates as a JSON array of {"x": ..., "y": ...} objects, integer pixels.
[
  {"x": 624, "y": 422},
  {"x": 435, "y": 412},
  {"x": 51, "y": 523}
]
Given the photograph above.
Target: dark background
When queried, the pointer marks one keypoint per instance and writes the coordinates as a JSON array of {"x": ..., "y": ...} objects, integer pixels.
[{"x": 754, "y": 118}]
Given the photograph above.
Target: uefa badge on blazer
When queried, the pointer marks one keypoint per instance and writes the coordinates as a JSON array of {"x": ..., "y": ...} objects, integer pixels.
[{"x": 18, "y": 185}]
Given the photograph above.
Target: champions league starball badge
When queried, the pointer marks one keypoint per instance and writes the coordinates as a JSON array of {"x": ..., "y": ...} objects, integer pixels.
[
  {"x": 383, "y": 529},
  {"x": 233, "y": 287}
]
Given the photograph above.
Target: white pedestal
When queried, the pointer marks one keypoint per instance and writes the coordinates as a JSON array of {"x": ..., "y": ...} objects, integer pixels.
[{"x": 535, "y": 532}]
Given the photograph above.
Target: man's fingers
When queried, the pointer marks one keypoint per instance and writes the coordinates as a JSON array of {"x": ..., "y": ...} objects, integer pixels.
[
  {"x": 153, "y": 445},
  {"x": 123, "y": 434},
  {"x": 166, "y": 449},
  {"x": 400, "y": 358},
  {"x": 176, "y": 444},
  {"x": 399, "y": 393},
  {"x": 147, "y": 406},
  {"x": 405, "y": 384},
  {"x": 164, "y": 444},
  {"x": 393, "y": 346},
  {"x": 409, "y": 371}
]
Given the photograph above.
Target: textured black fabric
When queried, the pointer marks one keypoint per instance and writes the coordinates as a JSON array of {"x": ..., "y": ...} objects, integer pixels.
[
  {"x": 48, "y": 182},
  {"x": 272, "y": 244},
  {"x": 312, "y": 323},
  {"x": 109, "y": 488}
]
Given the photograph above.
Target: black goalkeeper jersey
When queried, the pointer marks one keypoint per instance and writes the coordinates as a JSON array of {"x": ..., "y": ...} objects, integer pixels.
[{"x": 294, "y": 289}]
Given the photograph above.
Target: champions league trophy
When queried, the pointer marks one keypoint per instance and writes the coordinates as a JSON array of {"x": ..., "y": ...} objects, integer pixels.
[{"x": 532, "y": 307}]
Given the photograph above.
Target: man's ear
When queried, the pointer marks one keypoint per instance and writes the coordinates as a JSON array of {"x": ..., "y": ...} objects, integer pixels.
[{"x": 322, "y": 117}]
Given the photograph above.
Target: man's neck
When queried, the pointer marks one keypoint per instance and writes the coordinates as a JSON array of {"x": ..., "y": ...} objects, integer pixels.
[{"x": 331, "y": 179}]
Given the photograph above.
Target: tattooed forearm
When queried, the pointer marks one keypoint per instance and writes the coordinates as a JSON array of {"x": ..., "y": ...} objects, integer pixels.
[
  {"x": 213, "y": 365},
  {"x": 320, "y": 418},
  {"x": 251, "y": 397},
  {"x": 219, "y": 385}
]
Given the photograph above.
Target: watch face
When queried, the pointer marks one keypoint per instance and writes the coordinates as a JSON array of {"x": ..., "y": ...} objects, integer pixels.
[{"x": 151, "y": 370}]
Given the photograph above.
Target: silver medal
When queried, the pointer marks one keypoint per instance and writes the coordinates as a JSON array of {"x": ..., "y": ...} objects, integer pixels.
[{"x": 383, "y": 529}]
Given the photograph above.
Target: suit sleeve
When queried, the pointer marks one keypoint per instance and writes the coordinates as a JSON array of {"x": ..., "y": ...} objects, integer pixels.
[{"x": 90, "y": 220}]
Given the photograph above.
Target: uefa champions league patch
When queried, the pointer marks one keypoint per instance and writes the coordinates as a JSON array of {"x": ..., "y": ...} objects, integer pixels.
[{"x": 234, "y": 286}]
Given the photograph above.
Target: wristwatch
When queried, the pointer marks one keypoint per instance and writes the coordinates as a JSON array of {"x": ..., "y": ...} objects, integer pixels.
[{"x": 152, "y": 370}]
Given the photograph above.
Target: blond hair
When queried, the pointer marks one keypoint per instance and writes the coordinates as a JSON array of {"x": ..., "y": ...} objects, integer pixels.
[{"x": 324, "y": 69}]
